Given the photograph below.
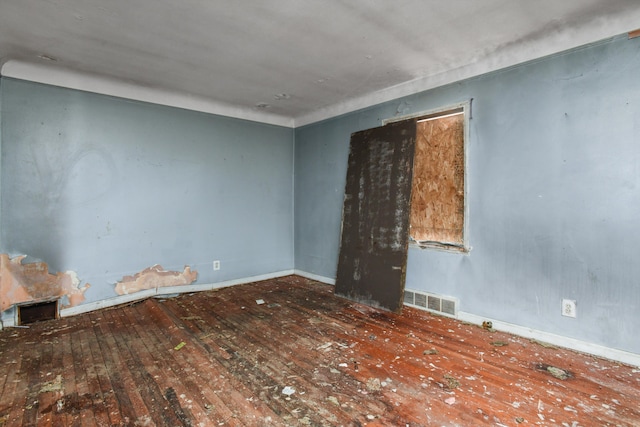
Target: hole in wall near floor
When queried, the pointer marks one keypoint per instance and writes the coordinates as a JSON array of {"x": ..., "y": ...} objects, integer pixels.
[{"x": 37, "y": 312}]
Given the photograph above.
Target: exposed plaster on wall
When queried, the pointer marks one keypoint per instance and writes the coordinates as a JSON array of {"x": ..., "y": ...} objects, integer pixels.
[
  {"x": 23, "y": 283},
  {"x": 155, "y": 277}
]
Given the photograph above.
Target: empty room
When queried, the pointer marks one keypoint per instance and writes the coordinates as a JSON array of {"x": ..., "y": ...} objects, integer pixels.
[{"x": 319, "y": 213}]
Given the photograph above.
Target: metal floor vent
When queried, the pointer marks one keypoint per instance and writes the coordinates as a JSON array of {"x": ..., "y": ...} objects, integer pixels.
[{"x": 439, "y": 304}]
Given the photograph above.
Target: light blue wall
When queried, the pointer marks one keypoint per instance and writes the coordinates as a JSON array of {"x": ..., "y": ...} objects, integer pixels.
[
  {"x": 553, "y": 193},
  {"x": 107, "y": 187}
]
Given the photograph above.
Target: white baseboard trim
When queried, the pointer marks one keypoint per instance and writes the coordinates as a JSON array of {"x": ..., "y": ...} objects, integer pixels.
[
  {"x": 8, "y": 322},
  {"x": 312, "y": 276},
  {"x": 558, "y": 340},
  {"x": 169, "y": 290}
]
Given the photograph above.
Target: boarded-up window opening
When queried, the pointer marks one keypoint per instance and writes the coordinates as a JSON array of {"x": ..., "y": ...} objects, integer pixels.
[{"x": 437, "y": 217}]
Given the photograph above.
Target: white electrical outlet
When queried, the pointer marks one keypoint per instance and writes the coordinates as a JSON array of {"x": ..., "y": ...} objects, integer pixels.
[
  {"x": 569, "y": 307},
  {"x": 216, "y": 265}
]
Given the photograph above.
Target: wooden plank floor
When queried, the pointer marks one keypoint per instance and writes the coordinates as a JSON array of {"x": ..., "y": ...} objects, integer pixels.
[{"x": 303, "y": 358}]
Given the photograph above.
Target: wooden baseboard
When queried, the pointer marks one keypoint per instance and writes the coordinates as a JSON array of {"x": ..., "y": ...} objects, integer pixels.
[
  {"x": 172, "y": 290},
  {"x": 558, "y": 340}
]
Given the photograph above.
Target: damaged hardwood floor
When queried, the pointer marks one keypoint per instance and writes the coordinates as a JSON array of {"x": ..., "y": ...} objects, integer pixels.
[{"x": 302, "y": 357}]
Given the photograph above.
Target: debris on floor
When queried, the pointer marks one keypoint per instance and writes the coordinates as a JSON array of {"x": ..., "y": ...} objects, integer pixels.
[
  {"x": 488, "y": 326},
  {"x": 118, "y": 367},
  {"x": 52, "y": 386},
  {"x": 373, "y": 385},
  {"x": 288, "y": 391},
  {"x": 451, "y": 382},
  {"x": 558, "y": 373}
]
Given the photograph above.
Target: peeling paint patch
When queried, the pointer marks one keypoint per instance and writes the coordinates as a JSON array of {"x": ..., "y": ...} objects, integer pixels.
[
  {"x": 155, "y": 277},
  {"x": 22, "y": 283}
]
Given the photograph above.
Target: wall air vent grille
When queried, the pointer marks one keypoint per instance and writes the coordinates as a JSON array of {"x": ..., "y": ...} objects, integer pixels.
[
  {"x": 421, "y": 300},
  {"x": 434, "y": 303},
  {"x": 447, "y": 306},
  {"x": 408, "y": 297}
]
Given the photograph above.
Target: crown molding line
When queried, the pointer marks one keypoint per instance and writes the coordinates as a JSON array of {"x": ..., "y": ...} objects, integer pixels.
[
  {"x": 61, "y": 77},
  {"x": 497, "y": 58}
]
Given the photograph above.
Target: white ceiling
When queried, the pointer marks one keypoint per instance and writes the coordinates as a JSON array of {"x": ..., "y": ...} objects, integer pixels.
[{"x": 288, "y": 62}]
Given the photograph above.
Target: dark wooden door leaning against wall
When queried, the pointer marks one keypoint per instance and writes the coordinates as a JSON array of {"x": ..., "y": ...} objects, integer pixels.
[{"x": 375, "y": 217}]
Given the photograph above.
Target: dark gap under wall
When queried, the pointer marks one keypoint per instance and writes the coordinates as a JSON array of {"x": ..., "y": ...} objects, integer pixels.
[{"x": 37, "y": 312}]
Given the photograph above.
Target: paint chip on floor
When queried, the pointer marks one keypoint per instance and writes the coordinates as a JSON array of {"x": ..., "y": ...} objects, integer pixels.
[{"x": 288, "y": 391}]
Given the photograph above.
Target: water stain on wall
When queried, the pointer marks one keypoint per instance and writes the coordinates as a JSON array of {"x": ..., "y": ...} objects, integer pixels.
[
  {"x": 155, "y": 277},
  {"x": 32, "y": 283}
]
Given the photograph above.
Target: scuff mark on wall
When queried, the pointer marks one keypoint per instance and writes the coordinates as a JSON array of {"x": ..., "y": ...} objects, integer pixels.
[
  {"x": 155, "y": 277},
  {"x": 32, "y": 282}
]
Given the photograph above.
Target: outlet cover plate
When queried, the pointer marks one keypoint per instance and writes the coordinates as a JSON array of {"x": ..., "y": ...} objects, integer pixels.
[
  {"x": 216, "y": 265},
  {"x": 569, "y": 307}
]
